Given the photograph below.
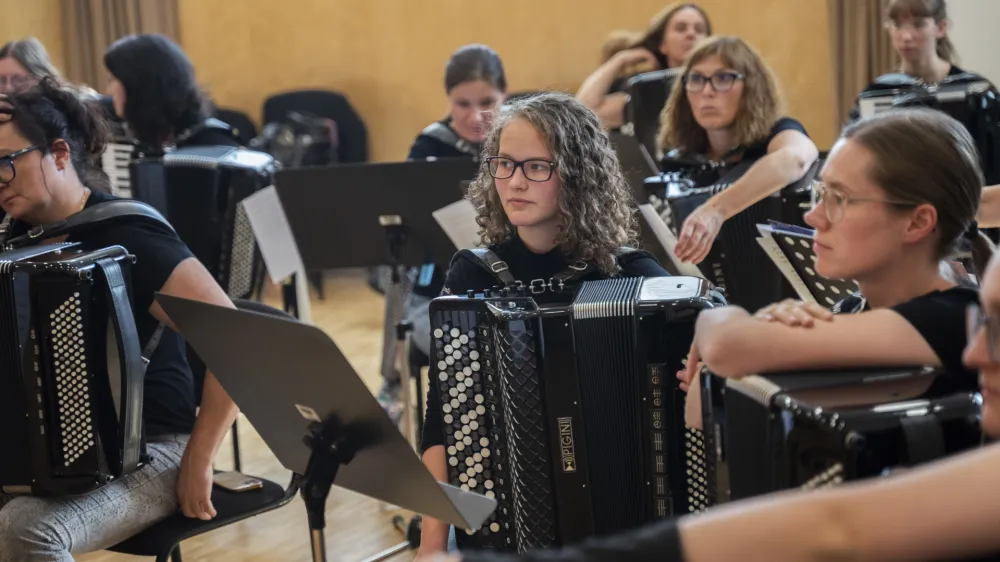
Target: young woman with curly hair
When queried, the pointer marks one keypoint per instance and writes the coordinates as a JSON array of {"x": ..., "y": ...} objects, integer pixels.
[
  {"x": 550, "y": 194},
  {"x": 728, "y": 108}
]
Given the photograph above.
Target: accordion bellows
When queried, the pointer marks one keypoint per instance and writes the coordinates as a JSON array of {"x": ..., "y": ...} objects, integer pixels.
[
  {"x": 568, "y": 415},
  {"x": 70, "y": 370}
]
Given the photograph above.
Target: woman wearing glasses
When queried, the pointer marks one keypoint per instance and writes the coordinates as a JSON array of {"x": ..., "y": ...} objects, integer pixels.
[
  {"x": 946, "y": 510},
  {"x": 919, "y": 33},
  {"x": 728, "y": 109},
  {"x": 900, "y": 195},
  {"x": 50, "y": 141},
  {"x": 550, "y": 194}
]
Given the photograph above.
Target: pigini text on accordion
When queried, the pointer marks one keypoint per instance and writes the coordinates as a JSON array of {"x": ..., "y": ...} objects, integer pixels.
[
  {"x": 818, "y": 429},
  {"x": 569, "y": 415},
  {"x": 71, "y": 370}
]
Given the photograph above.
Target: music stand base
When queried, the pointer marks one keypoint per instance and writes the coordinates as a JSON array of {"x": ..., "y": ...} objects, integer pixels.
[{"x": 330, "y": 449}]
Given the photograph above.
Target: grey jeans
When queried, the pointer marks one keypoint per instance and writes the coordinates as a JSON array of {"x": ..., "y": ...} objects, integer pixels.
[{"x": 50, "y": 529}]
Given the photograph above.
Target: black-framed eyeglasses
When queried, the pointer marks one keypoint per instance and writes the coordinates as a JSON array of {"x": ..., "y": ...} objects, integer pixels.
[
  {"x": 7, "y": 170},
  {"x": 722, "y": 81},
  {"x": 976, "y": 320},
  {"x": 534, "y": 169}
]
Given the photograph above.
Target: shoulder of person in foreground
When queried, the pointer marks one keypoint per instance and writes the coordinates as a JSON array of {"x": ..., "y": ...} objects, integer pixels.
[{"x": 640, "y": 263}]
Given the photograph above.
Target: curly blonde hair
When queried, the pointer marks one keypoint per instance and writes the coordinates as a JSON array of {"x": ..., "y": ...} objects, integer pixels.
[
  {"x": 595, "y": 201},
  {"x": 760, "y": 107}
]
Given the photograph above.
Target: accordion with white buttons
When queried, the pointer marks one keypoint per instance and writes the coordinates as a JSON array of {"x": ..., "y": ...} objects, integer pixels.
[
  {"x": 199, "y": 190},
  {"x": 569, "y": 415},
  {"x": 818, "y": 429},
  {"x": 71, "y": 370}
]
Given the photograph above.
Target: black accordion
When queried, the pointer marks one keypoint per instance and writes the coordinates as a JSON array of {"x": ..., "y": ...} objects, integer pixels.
[
  {"x": 199, "y": 190},
  {"x": 818, "y": 429},
  {"x": 71, "y": 370},
  {"x": 970, "y": 99},
  {"x": 736, "y": 261},
  {"x": 647, "y": 95},
  {"x": 569, "y": 415}
]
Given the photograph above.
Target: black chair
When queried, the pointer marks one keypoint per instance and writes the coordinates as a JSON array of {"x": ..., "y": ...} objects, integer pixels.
[
  {"x": 240, "y": 122},
  {"x": 352, "y": 134},
  {"x": 163, "y": 539}
]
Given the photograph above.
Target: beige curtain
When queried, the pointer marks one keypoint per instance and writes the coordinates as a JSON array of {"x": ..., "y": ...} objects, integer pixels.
[
  {"x": 90, "y": 26},
  {"x": 861, "y": 47}
]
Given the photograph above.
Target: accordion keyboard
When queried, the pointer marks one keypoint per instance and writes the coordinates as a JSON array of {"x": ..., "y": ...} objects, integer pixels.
[
  {"x": 66, "y": 330},
  {"x": 115, "y": 162},
  {"x": 473, "y": 417}
]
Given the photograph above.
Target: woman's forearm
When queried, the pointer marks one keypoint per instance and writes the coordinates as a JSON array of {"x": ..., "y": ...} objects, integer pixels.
[
  {"x": 770, "y": 174},
  {"x": 434, "y": 533},
  {"x": 595, "y": 87},
  {"x": 989, "y": 209}
]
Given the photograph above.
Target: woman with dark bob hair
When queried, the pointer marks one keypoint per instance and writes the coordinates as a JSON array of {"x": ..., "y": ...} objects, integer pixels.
[
  {"x": 49, "y": 139},
  {"x": 154, "y": 89}
]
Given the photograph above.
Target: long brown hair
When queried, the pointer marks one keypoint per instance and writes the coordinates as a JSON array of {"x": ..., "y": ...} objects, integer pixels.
[
  {"x": 926, "y": 156},
  {"x": 936, "y": 9},
  {"x": 761, "y": 106},
  {"x": 653, "y": 36}
]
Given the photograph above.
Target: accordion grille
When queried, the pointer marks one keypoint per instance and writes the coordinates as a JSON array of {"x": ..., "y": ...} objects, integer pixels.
[
  {"x": 76, "y": 421},
  {"x": 527, "y": 435},
  {"x": 604, "y": 326},
  {"x": 472, "y": 413},
  {"x": 697, "y": 471},
  {"x": 241, "y": 263}
]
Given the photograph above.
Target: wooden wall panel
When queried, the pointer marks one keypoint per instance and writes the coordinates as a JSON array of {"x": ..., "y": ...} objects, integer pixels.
[
  {"x": 388, "y": 56},
  {"x": 38, "y": 18}
]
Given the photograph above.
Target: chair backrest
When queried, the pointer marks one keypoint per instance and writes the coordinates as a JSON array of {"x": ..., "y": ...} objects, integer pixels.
[
  {"x": 351, "y": 130},
  {"x": 245, "y": 128}
]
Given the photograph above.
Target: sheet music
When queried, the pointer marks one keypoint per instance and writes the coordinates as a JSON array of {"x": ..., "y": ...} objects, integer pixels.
[
  {"x": 667, "y": 240},
  {"x": 772, "y": 250},
  {"x": 273, "y": 233},
  {"x": 458, "y": 221}
]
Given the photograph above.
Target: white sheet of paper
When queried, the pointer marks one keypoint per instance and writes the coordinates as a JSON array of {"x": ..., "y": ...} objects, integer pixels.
[
  {"x": 273, "y": 233},
  {"x": 667, "y": 240},
  {"x": 458, "y": 221}
]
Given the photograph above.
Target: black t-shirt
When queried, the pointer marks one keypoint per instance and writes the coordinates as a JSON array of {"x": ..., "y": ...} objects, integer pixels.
[
  {"x": 754, "y": 151},
  {"x": 525, "y": 265},
  {"x": 939, "y": 316},
  {"x": 168, "y": 401},
  {"x": 427, "y": 146}
]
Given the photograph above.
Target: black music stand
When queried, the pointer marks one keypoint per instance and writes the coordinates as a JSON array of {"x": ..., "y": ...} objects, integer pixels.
[
  {"x": 350, "y": 215},
  {"x": 316, "y": 414}
]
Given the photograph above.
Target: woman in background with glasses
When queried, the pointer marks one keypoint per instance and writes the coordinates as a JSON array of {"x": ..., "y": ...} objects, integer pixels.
[
  {"x": 550, "y": 195},
  {"x": 728, "y": 109},
  {"x": 899, "y": 195}
]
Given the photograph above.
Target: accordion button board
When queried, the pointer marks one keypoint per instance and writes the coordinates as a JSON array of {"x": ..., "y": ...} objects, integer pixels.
[{"x": 568, "y": 415}]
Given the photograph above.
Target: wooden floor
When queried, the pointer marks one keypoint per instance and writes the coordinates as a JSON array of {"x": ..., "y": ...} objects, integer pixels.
[{"x": 357, "y": 527}]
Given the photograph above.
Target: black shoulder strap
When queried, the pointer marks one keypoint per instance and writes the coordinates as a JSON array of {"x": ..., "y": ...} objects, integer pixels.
[
  {"x": 210, "y": 123},
  {"x": 923, "y": 437},
  {"x": 489, "y": 261},
  {"x": 441, "y": 132},
  {"x": 95, "y": 216}
]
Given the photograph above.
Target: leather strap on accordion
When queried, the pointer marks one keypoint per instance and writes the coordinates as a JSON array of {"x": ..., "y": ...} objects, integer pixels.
[
  {"x": 491, "y": 262},
  {"x": 133, "y": 371},
  {"x": 91, "y": 217},
  {"x": 924, "y": 439}
]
